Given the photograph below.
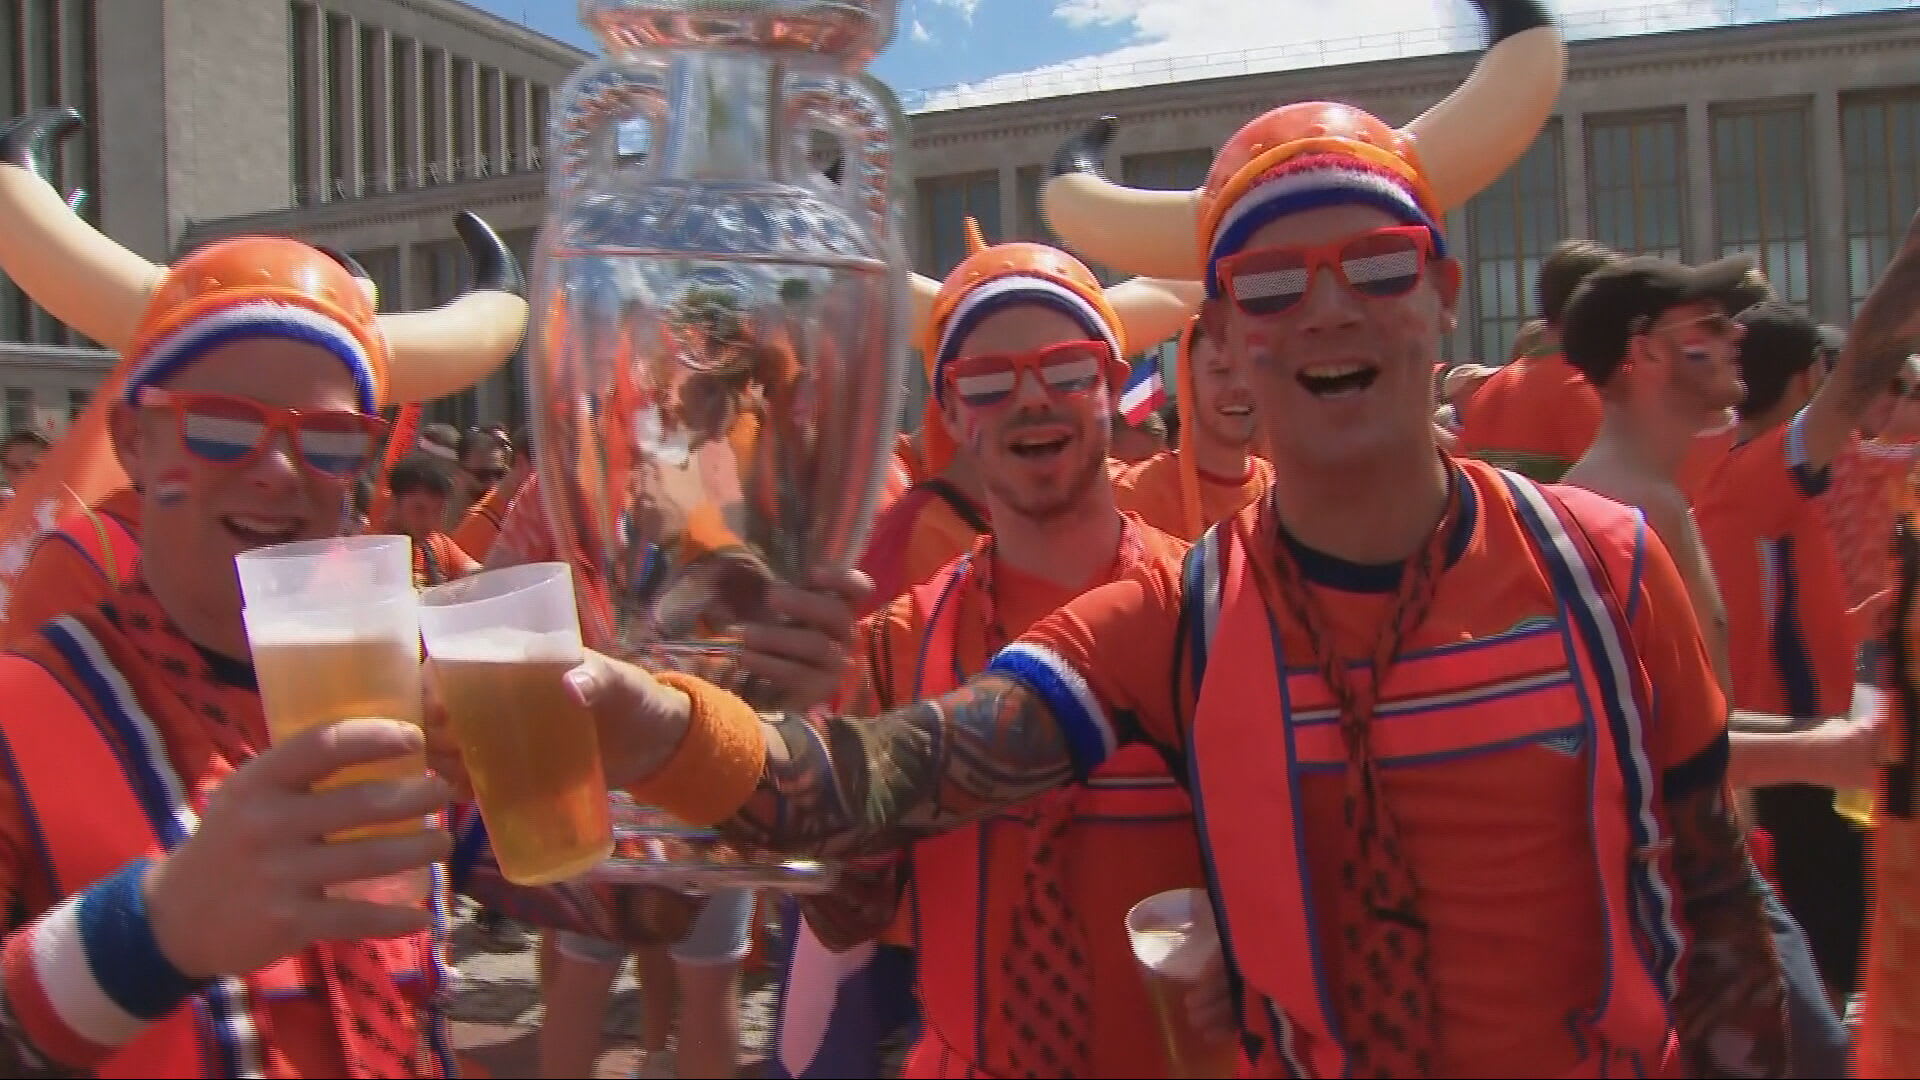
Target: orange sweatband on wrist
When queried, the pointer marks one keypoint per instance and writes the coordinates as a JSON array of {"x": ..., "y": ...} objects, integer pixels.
[{"x": 718, "y": 762}]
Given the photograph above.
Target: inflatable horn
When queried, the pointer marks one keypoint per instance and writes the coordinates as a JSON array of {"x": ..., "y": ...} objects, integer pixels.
[
  {"x": 102, "y": 290},
  {"x": 1447, "y": 155}
]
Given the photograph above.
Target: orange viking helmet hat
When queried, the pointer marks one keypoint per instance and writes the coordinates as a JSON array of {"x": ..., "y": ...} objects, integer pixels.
[
  {"x": 1142, "y": 311},
  {"x": 1300, "y": 156},
  {"x": 141, "y": 310}
]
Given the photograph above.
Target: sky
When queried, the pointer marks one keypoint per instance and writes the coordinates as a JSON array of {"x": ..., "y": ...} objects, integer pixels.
[{"x": 950, "y": 53}]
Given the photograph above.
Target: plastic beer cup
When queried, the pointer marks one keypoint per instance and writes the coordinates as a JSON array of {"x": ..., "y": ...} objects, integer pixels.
[
  {"x": 335, "y": 633},
  {"x": 502, "y": 643},
  {"x": 1176, "y": 944}
]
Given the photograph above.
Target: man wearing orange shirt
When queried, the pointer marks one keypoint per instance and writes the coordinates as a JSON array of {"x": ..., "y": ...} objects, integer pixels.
[
  {"x": 162, "y": 866},
  {"x": 1029, "y": 358},
  {"x": 1794, "y": 639},
  {"x": 1449, "y": 826},
  {"x": 1538, "y": 414},
  {"x": 1213, "y": 472}
]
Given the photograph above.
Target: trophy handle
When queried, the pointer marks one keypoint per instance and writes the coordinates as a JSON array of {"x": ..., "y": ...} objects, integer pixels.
[
  {"x": 583, "y": 138},
  {"x": 865, "y": 117}
]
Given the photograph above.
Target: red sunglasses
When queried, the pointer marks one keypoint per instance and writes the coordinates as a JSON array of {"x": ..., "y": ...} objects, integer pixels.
[
  {"x": 1066, "y": 369},
  {"x": 1266, "y": 282},
  {"x": 228, "y": 430}
]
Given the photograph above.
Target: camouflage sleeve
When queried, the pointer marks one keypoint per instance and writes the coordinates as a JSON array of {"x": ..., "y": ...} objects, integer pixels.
[
  {"x": 843, "y": 787},
  {"x": 1731, "y": 1006}
]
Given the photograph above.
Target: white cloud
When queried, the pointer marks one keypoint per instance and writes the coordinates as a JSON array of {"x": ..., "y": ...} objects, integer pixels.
[
  {"x": 1173, "y": 40},
  {"x": 919, "y": 32},
  {"x": 965, "y": 8}
]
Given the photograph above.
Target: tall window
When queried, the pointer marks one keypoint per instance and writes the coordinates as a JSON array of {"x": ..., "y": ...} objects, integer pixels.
[
  {"x": 51, "y": 54},
  {"x": 1761, "y": 191},
  {"x": 1172, "y": 170},
  {"x": 515, "y": 91},
  {"x": 1510, "y": 227},
  {"x": 405, "y": 84},
  {"x": 439, "y": 97},
  {"x": 374, "y": 175},
  {"x": 1032, "y": 223},
  {"x": 466, "y": 140},
  {"x": 1880, "y": 135},
  {"x": 343, "y": 62},
  {"x": 1637, "y": 182},
  {"x": 946, "y": 202},
  {"x": 19, "y": 409},
  {"x": 383, "y": 266}
]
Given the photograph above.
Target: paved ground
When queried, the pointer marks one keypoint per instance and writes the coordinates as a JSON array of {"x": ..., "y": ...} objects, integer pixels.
[{"x": 496, "y": 1012}]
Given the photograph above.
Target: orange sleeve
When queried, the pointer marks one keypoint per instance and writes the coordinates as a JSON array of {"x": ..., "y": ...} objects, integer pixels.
[
  {"x": 462, "y": 563},
  {"x": 58, "y": 580},
  {"x": 1104, "y": 664},
  {"x": 481, "y": 523},
  {"x": 1687, "y": 732}
]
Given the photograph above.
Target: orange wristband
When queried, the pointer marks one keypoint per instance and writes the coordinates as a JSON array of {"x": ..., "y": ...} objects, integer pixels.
[{"x": 714, "y": 771}]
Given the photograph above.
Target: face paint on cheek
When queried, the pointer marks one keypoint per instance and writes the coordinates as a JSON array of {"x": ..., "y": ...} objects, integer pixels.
[{"x": 170, "y": 489}]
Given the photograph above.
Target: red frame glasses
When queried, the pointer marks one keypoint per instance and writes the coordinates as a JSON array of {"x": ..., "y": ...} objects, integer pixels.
[
  {"x": 1376, "y": 265},
  {"x": 222, "y": 429},
  {"x": 1067, "y": 369}
]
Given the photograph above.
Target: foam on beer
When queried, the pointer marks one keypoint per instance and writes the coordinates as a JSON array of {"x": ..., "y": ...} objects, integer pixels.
[
  {"x": 508, "y": 645},
  {"x": 289, "y": 629}
]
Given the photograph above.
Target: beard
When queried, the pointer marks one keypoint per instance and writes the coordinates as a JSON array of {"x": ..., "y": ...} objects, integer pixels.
[{"x": 1049, "y": 506}]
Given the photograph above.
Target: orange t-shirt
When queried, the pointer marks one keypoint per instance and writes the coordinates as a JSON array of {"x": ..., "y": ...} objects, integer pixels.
[
  {"x": 1537, "y": 416},
  {"x": 1161, "y": 854},
  {"x": 480, "y": 525},
  {"x": 212, "y": 722},
  {"x": 1499, "y": 840},
  {"x": 60, "y": 578},
  {"x": 922, "y": 531},
  {"x": 1791, "y": 643},
  {"x": 1151, "y": 488},
  {"x": 437, "y": 560}
]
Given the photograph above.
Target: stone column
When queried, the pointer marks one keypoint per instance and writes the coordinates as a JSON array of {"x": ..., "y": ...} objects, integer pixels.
[
  {"x": 1827, "y": 234},
  {"x": 1573, "y": 175},
  {"x": 1702, "y": 236}
]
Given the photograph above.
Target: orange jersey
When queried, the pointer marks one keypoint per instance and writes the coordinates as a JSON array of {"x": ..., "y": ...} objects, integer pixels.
[
  {"x": 205, "y": 718},
  {"x": 82, "y": 562},
  {"x": 924, "y": 529},
  {"x": 1537, "y": 416},
  {"x": 1498, "y": 837},
  {"x": 1127, "y": 842},
  {"x": 438, "y": 560},
  {"x": 1151, "y": 488},
  {"x": 1791, "y": 643},
  {"x": 480, "y": 525}
]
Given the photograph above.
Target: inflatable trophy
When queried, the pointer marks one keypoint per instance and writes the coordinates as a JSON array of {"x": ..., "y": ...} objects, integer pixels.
[{"x": 719, "y": 346}]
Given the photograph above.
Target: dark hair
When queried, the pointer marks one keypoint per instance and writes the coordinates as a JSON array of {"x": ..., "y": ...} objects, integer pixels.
[
  {"x": 441, "y": 435},
  {"x": 1781, "y": 342},
  {"x": 420, "y": 471},
  {"x": 1562, "y": 272},
  {"x": 26, "y": 437},
  {"x": 483, "y": 438}
]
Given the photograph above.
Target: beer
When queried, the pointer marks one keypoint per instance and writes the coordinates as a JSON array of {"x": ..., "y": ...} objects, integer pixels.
[
  {"x": 310, "y": 676},
  {"x": 533, "y": 755},
  {"x": 1176, "y": 945}
]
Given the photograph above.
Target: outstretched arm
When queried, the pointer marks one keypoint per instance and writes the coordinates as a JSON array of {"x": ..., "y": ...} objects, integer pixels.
[
  {"x": 840, "y": 787},
  {"x": 1878, "y": 343}
]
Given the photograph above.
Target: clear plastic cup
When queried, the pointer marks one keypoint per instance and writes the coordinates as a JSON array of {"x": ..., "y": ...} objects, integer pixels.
[
  {"x": 1177, "y": 947},
  {"x": 502, "y": 643},
  {"x": 335, "y": 633}
]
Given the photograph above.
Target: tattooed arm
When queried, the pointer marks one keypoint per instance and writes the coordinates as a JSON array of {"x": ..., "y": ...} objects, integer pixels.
[
  {"x": 1878, "y": 343},
  {"x": 1731, "y": 1007},
  {"x": 840, "y": 786}
]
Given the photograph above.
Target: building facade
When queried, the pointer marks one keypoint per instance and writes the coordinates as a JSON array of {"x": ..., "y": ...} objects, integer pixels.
[
  {"x": 206, "y": 116},
  {"x": 367, "y": 123},
  {"x": 1794, "y": 142}
]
